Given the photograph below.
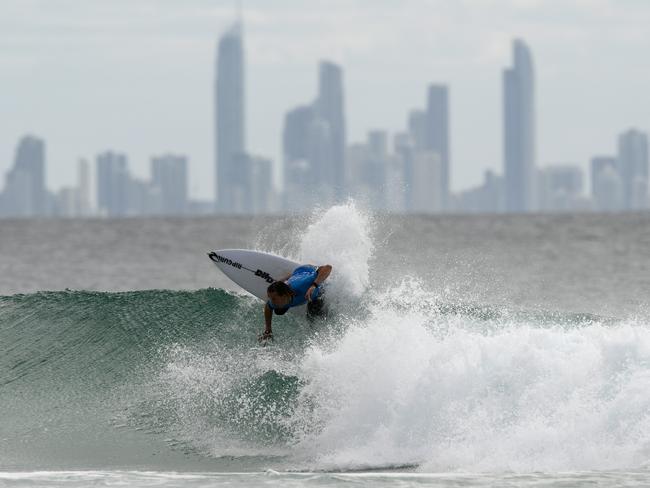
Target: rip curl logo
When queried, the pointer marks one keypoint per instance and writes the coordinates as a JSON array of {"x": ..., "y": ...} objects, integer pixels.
[
  {"x": 220, "y": 259},
  {"x": 264, "y": 275}
]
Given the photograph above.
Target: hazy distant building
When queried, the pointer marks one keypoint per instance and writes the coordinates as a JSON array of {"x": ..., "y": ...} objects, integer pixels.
[
  {"x": 633, "y": 168},
  {"x": 597, "y": 165},
  {"x": 560, "y": 188},
  {"x": 427, "y": 183},
  {"x": 417, "y": 126},
  {"x": 74, "y": 201},
  {"x": 295, "y": 137},
  {"x": 18, "y": 195},
  {"x": 405, "y": 151},
  {"x": 329, "y": 107},
  {"x": 606, "y": 184},
  {"x": 83, "y": 196},
  {"x": 355, "y": 156},
  {"x": 298, "y": 172},
  {"x": 519, "y": 130},
  {"x": 368, "y": 163},
  {"x": 25, "y": 194},
  {"x": 395, "y": 191},
  {"x": 229, "y": 114},
  {"x": 169, "y": 176},
  {"x": 113, "y": 184},
  {"x": 200, "y": 207},
  {"x": 261, "y": 184},
  {"x": 320, "y": 158},
  {"x": 66, "y": 202},
  {"x": 252, "y": 185},
  {"x": 437, "y": 134},
  {"x": 378, "y": 154},
  {"x": 314, "y": 143},
  {"x": 486, "y": 198},
  {"x": 143, "y": 198}
]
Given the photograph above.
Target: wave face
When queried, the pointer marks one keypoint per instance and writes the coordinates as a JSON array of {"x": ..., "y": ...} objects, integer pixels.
[{"x": 397, "y": 376}]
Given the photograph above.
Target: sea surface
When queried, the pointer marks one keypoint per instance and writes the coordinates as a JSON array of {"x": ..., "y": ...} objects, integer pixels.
[{"x": 459, "y": 351}]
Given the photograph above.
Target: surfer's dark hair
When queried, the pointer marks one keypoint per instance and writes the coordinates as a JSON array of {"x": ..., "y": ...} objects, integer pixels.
[{"x": 280, "y": 287}]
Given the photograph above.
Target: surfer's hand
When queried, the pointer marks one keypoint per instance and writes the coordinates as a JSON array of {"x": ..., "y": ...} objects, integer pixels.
[
  {"x": 309, "y": 292},
  {"x": 266, "y": 335}
]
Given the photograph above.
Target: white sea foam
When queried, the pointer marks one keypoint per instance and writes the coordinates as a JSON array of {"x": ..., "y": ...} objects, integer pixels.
[
  {"x": 340, "y": 236},
  {"x": 524, "y": 398},
  {"x": 407, "y": 383},
  {"x": 410, "y": 385}
]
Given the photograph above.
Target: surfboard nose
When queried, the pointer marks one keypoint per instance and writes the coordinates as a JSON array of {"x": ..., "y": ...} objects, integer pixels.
[{"x": 252, "y": 270}]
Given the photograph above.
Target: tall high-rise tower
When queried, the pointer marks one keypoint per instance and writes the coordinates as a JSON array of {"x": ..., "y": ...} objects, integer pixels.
[
  {"x": 633, "y": 168},
  {"x": 437, "y": 134},
  {"x": 112, "y": 184},
  {"x": 229, "y": 113},
  {"x": 25, "y": 194},
  {"x": 329, "y": 107},
  {"x": 519, "y": 130},
  {"x": 169, "y": 176}
]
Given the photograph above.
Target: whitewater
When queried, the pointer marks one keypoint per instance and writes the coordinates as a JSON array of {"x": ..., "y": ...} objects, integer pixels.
[{"x": 461, "y": 352}]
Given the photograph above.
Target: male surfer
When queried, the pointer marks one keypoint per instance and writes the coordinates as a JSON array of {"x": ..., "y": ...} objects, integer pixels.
[{"x": 302, "y": 286}]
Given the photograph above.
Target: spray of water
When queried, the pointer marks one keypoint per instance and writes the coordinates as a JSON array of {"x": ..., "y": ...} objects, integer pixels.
[
  {"x": 340, "y": 236},
  {"x": 408, "y": 383}
]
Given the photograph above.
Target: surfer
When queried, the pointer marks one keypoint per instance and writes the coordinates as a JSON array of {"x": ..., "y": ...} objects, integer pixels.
[{"x": 303, "y": 285}]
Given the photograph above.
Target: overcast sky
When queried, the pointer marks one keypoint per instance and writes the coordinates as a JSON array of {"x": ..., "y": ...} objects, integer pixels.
[{"x": 137, "y": 75}]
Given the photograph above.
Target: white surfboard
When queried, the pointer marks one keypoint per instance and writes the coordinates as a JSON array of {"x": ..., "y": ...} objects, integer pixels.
[{"x": 254, "y": 271}]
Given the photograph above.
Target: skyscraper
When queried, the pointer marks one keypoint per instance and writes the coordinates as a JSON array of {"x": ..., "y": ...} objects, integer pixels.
[
  {"x": 519, "y": 130},
  {"x": 330, "y": 108},
  {"x": 486, "y": 198},
  {"x": 251, "y": 185},
  {"x": 606, "y": 185},
  {"x": 437, "y": 134},
  {"x": 368, "y": 169},
  {"x": 262, "y": 192},
  {"x": 25, "y": 194},
  {"x": 113, "y": 182},
  {"x": 559, "y": 187},
  {"x": 427, "y": 183},
  {"x": 83, "y": 207},
  {"x": 169, "y": 176},
  {"x": 633, "y": 168},
  {"x": 417, "y": 124},
  {"x": 314, "y": 144},
  {"x": 229, "y": 113},
  {"x": 405, "y": 150},
  {"x": 299, "y": 175}
]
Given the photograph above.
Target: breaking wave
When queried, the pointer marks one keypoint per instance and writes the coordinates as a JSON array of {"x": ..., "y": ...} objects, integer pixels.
[{"x": 397, "y": 377}]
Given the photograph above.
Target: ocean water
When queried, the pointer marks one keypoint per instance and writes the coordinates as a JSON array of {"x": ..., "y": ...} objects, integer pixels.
[{"x": 461, "y": 351}]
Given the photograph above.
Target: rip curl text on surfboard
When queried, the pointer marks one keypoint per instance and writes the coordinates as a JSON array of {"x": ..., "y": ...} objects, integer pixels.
[
  {"x": 220, "y": 259},
  {"x": 264, "y": 275}
]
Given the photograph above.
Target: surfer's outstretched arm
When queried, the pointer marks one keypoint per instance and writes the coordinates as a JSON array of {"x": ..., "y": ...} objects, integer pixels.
[
  {"x": 322, "y": 273},
  {"x": 268, "y": 317}
]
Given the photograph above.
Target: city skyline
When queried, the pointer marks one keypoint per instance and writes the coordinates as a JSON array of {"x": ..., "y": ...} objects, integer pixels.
[
  {"x": 610, "y": 104},
  {"x": 405, "y": 178},
  {"x": 411, "y": 173}
]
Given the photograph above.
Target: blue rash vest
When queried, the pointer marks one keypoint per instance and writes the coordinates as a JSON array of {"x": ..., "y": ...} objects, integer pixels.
[{"x": 299, "y": 282}]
